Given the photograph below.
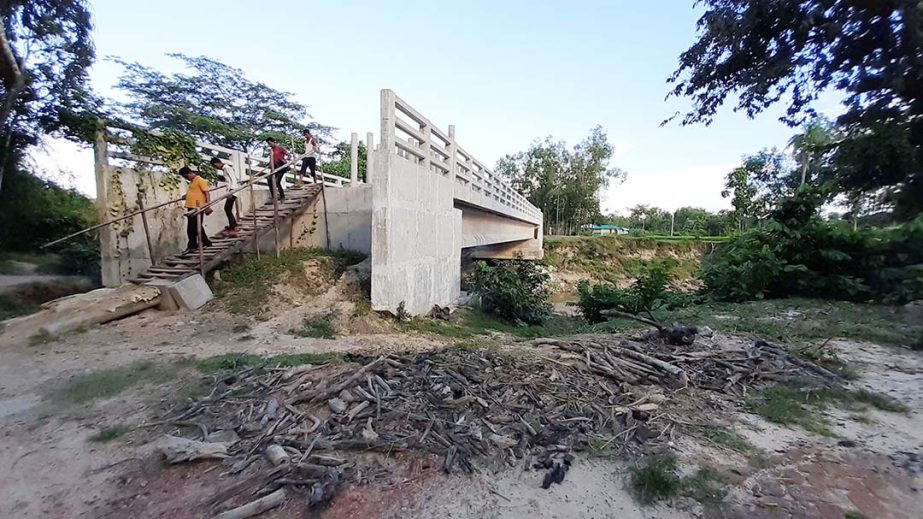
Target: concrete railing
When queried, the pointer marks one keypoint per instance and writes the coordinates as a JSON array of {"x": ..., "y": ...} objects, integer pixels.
[{"x": 412, "y": 136}]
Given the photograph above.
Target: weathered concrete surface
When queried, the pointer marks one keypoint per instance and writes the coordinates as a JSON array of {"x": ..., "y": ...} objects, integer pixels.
[
  {"x": 189, "y": 293},
  {"x": 416, "y": 237},
  {"x": 499, "y": 237},
  {"x": 348, "y": 219}
]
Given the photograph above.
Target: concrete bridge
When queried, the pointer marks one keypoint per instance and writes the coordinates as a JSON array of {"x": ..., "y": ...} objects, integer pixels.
[
  {"x": 426, "y": 200},
  {"x": 431, "y": 199}
]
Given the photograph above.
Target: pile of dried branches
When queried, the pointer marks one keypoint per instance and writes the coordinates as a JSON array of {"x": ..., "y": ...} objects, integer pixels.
[{"x": 462, "y": 405}]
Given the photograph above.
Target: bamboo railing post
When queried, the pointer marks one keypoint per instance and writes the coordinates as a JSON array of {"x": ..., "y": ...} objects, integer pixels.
[
  {"x": 275, "y": 205},
  {"x": 147, "y": 230},
  {"x": 201, "y": 253},
  {"x": 256, "y": 241}
]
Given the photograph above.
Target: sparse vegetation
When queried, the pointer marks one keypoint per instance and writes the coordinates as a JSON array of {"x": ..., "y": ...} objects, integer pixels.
[
  {"x": 795, "y": 405},
  {"x": 41, "y": 338},
  {"x": 647, "y": 294},
  {"x": 245, "y": 287},
  {"x": 105, "y": 383},
  {"x": 467, "y": 324},
  {"x": 317, "y": 326},
  {"x": 656, "y": 479},
  {"x": 110, "y": 433},
  {"x": 797, "y": 321},
  {"x": 14, "y": 307},
  {"x": 235, "y": 361},
  {"x": 725, "y": 437},
  {"x": 706, "y": 486}
]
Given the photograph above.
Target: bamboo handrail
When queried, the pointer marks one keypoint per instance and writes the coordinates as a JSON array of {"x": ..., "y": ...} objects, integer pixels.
[{"x": 110, "y": 222}]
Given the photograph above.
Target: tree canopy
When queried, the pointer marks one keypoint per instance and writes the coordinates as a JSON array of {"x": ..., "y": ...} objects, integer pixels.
[
  {"x": 214, "y": 102},
  {"x": 761, "y": 52},
  {"x": 564, "y": 183},
  {"x": 44, "y": 87}
]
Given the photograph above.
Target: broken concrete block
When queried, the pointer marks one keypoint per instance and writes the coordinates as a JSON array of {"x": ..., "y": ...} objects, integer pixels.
[
  {"x": 167, "y": 303},
  {"x": 189, "y": 293}
]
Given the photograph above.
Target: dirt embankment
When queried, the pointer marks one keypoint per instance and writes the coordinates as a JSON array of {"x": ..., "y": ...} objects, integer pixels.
[{"x": 618, "y": 260}]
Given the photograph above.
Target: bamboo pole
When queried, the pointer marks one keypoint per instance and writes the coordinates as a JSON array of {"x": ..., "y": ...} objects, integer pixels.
[
  {"x": 110, "y": 222},
  {"x": 201, "y": 253},
  {"x": 275, "y": 204},
  {"x": 256, "y": 241},
  {"x": 147, "y": 230}
]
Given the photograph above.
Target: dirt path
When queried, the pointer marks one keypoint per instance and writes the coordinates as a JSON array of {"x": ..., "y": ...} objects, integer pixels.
[{"x": 50, "y": 468}]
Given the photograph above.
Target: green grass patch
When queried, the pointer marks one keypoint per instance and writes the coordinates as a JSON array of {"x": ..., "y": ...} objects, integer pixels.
[
  {"x": 795, "y": 405},
  {"x": 109, "y": 434},
  {"x": 317, "y": 326},
  {"x": 110, "y": 382},
  {"x": 236, "y": 361},
  {"x": 801, "y": 321},
  {"x": 246, "y": 285},
  {"x": 725, "y": 437},
  {"x": 656, "y": 479},
  {"x": 41, "y": 338},
  {"x": 850, "y": 514},
  {"x": 467, "y": 324}
]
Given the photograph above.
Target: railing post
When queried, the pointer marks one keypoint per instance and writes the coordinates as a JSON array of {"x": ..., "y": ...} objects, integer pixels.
[
  {"x": 147, "y": 230},
  {"x": 425, "y": 148},
  {"x": 453, "y": 150},
  {"x": 369, "y": 144},
  {"x": 387, "y": 121},
  {"x": 353, "y": 159}
]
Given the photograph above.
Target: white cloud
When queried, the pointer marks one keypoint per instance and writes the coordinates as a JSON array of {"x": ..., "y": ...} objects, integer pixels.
[{"x": 697, "y": 186}]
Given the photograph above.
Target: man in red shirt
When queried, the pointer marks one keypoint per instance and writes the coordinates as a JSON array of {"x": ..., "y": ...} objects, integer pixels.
[{"x": 279, "y": 157}]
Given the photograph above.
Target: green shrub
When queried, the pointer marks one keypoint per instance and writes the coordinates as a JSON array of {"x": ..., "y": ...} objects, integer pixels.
[
  {"x": 796, "y": 253},
  {"x": 647, "y": 294},
  {"x": 514, "y": 290}
]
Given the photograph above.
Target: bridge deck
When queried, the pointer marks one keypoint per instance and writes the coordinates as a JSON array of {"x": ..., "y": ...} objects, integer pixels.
[{"x": 297, "y": 200}]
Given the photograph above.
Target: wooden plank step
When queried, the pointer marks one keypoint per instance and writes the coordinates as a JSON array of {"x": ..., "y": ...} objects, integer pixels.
[{"x": 169, "y": 270}]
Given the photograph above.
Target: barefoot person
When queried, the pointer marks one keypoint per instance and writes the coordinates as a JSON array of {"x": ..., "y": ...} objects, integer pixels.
[
  {"x": 279, "y": 157},
  {"x": 196, "y": 196},
  {"x": 226, "y": 171},
  {"x": 311, "y": 150}
]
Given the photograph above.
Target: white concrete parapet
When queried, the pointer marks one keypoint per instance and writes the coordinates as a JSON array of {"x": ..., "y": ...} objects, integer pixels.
[{"x": 411, "y": 135}]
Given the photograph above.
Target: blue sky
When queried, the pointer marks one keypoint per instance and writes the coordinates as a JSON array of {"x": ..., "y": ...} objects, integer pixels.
[{"x": 504, "y": 72}]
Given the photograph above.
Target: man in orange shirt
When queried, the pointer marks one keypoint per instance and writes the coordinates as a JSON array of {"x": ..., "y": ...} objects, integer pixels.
[{"x": 196, "y": 196}]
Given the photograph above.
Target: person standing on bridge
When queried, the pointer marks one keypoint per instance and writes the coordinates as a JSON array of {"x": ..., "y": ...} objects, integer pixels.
[
  {"x": 279, "y": 157},
  {"x": 230, "y": 176},
  {"x": 311, "y": 150},
  {"x": 196, "y": 197}
]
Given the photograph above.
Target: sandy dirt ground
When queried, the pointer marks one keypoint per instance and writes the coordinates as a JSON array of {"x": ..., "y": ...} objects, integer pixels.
[{"x": 49, "y": 468}]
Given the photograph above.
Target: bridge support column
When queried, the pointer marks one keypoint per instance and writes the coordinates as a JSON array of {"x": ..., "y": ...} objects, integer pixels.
[{"x": 416, "y": 236}]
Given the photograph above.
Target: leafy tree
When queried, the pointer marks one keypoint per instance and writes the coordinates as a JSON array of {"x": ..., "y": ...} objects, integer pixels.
[
  {"x": 757, "y": 184},
  {"x": 797, "y": 253},
  {"x": 645, "y": 218},
  {"x": 563, "y": 183},
  {"x": 216, "y": 103},
  {"x": 46, "y": 53},
  {"x": 338, "y": 161},
  {"x": 811, "y": 145},
  {"x": 760, "y": 52}
]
